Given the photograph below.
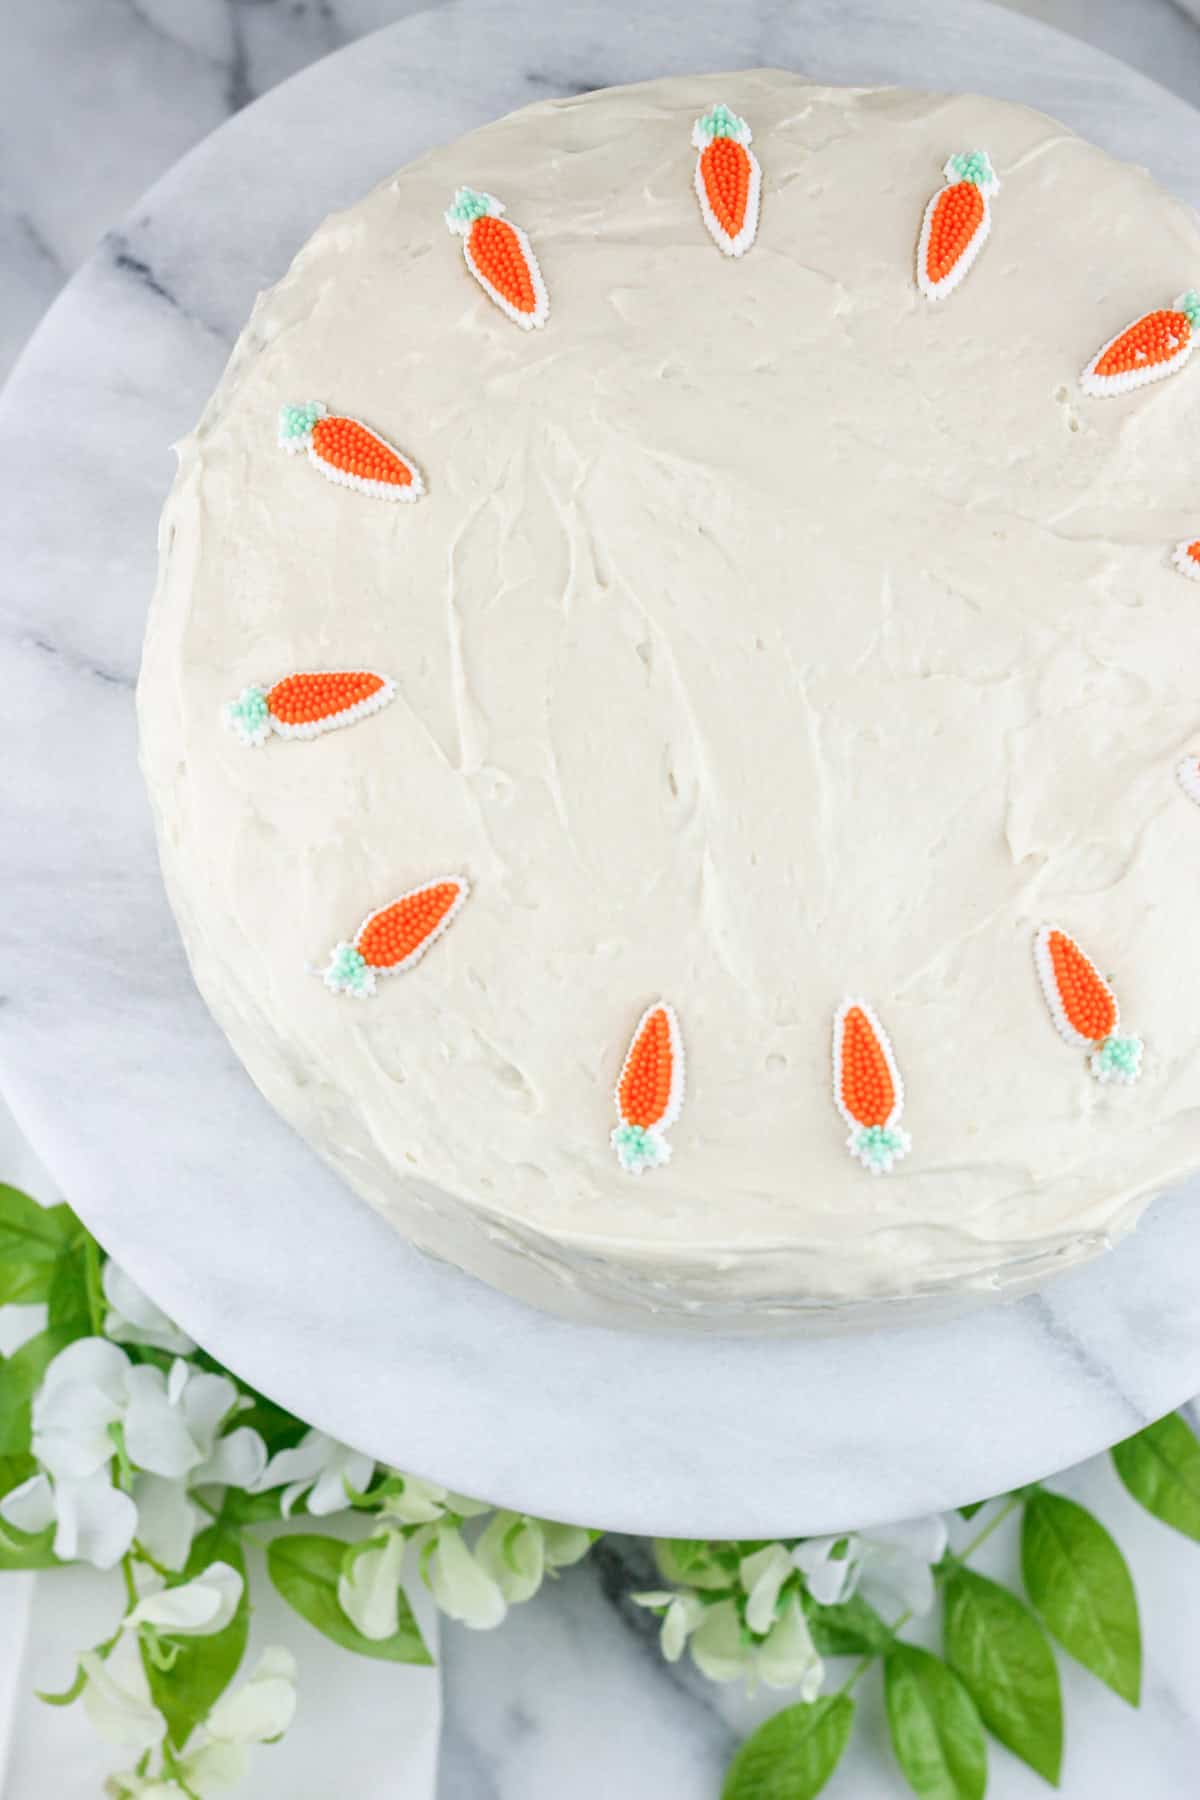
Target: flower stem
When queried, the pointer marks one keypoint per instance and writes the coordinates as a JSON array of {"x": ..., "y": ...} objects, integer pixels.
[
  {"x": 97, "y": 1305},
  {"x": 1010, "y": 1506},
  {"x": 131, "y": 1593}
]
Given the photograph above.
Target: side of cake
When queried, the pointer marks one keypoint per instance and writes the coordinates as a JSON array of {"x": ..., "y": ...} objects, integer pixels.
[{"x": 719, "y": 852}]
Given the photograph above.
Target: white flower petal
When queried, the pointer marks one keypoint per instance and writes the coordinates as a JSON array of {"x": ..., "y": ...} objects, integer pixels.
[
  {"x": 116, "y": 1698},
  {"x": 134, "y": 1318},
  {"x": 238, "y": 1460},
  {"x": 512, "y": 1552},
  {"x": 716, "y": 1645},
  {"x": 167, "y": 1520},
  {"x": 93, "y": 1361},
  {"x": 263, "y": 1707},
  {"x": 197, "y": 1608},
  {"x": 349, "y": 1469},
  {"x": 298, "y": 1466},
  {"x": 71, "y": 1428},
  {"x": 460, "y": 1587},
  {"x": 216, "y": 1765},
  {"x": 207, "y": 1400},
  {"x": 565, "y": 1544},
  {"x": 419, "y": 1504},
  {"x": 829, "y": 1580},
  {"x": 788, "y": 1658},
  {"x": 368, "y": 1594},
  {"x": 96, "y": 1521},
  {"x": 156, "y": 1433},
  {"x": 682, "y": 1617},
  {"x": 924, "y": 1539},
  {"x": 762, "y": 1575},
  {"x": 29, "y": 1507}
]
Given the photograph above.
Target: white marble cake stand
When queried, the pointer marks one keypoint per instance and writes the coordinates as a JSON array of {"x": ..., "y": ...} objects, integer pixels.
[{"x": 110, "y": 1060}]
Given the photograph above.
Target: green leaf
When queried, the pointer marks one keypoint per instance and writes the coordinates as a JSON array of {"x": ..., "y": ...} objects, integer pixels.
[
  {"x": 20, "y": 1377},
  {"x": 968, "y": 1512},
  {"x": 67, "y": 1292},
  {"x": 240, "y": 1508},
  {"x": 694, "y": 1562},
  {"x": 14, "y": 1470},
  {"x": 936, "y": 1731},
  {"x": 26, "y": 1550},
  {"x": 30, "y": 1233},
  {"x": 203, "y": 1666},
  {"x": 23, "y": 1284},
  {"x": 1161, "y": 1469},
  {"x": 1080, "y": 1583},
  {"x": 1000, "y": 1654},
  {"x": 852, "y": 1628},
  {"x": 305, "y": 1571},
  {"x": 793, "y": 1755}
]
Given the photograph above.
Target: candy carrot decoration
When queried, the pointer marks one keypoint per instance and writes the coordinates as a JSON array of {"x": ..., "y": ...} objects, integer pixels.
[
  {"x": 349, "y": 452},
  {"x": 396, "y": 937},
  {"x": 649, "y": 1091},
  {"x": 1186, "y": 558},
  {"x": 500, "y": 257},
  {"x": 956, "y": 224},
  {"x": 867, "y": 1089},
  {"x": 1084, "y": 1007},
  {"x": 1153, "y": 346},
  {"x": 1188, "y": 772},
  {"x": 728, "y": 179},
  {"x": 304, "y": 705}
]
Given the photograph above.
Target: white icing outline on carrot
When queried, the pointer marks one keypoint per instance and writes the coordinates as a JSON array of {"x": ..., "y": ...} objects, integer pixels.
[
  {"x": 293, "y": 441},
  {"x": 641, "y": 1147},
  {"x": 878, "y": 1147},
  {"x": 250, "y": 717},
  {"x": 461, "y": 216},
  {"x": 739, "y": 133},
  {"x": 1187, "y": 303},
  {"x": 1113, "y": 1057},
  {"x": 349, "y": 972},
  {"x": 953, "y": 171}
]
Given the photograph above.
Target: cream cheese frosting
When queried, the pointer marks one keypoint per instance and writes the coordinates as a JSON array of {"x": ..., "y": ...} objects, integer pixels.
[{"x": 768, "y": 633}]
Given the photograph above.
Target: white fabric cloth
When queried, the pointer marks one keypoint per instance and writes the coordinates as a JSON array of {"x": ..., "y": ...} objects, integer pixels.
[{"x": 369, "y": 1726}]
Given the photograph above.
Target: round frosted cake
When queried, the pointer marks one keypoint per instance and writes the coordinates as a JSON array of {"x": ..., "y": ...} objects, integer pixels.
[{"x": 671, "y": 702}]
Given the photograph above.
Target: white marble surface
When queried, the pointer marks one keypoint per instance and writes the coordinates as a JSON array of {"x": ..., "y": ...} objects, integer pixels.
[
  {"x": 163, "y": 1144},
  {"x": 572, "y": 1698}
]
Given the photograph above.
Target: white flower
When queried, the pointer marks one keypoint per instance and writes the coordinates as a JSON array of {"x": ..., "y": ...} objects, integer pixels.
[
  {"x": 173, "y": 1422},
  {"x": 116, "y": 1698},
  {"x": 368, "y": 1592},
  {"x": 512, "y": 1551},
  {"x": 258, "y": 1712},
  {"x": 170, "y": 1423},
  {"x": 564, "y": 1544},
  {"x": 197, "y": 1608},
  {"x": 95, "y": 1522},
  {"x": 462, "y": 1589},
  {"x": 418, "y": 1503},
  {"x": 891, "y": 1566},
  {"x": 682, "y": 1611},
  {"x": 132, "y": 1786},
  {"x": 762, "y": 1575},
  {"x": 321, "y": 1468},
  {"x": 786, "y": 1658},
  {"x": 83, "y": 1393},
  {"x": 134, "y": 1319}
]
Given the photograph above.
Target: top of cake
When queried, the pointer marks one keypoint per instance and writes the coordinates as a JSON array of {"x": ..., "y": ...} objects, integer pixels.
[{"x": 781, "y": 633}]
